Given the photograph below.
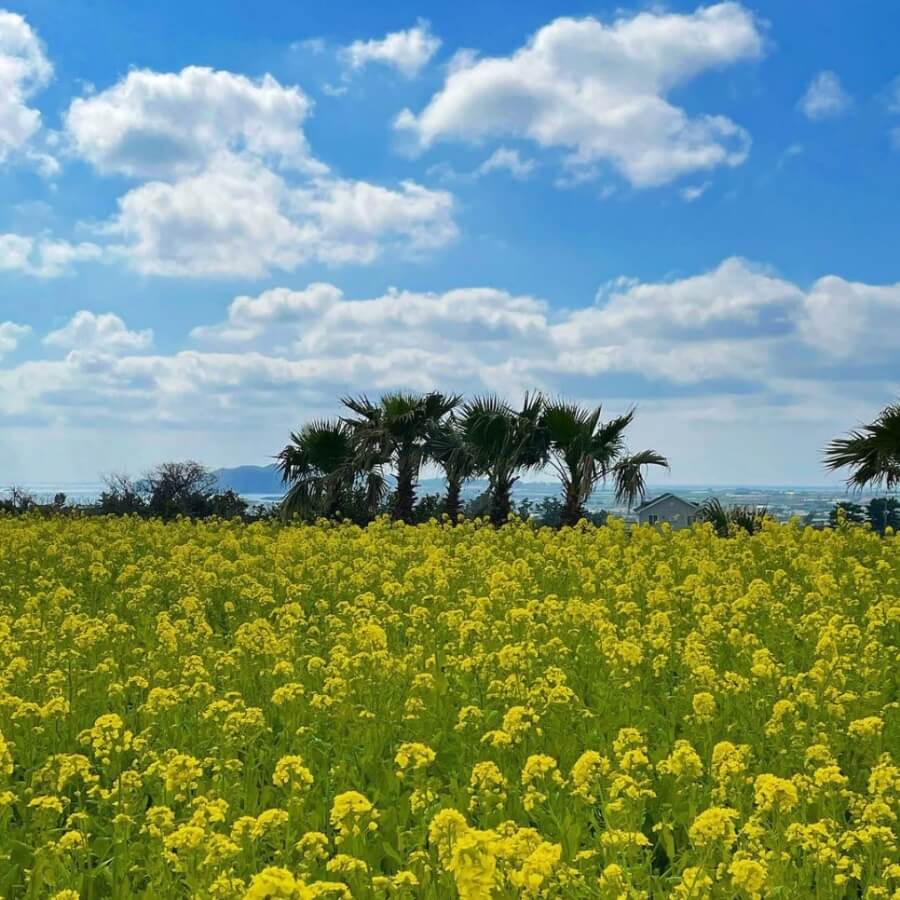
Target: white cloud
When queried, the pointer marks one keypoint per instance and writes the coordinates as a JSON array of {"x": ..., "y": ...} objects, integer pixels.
[
  {"x": 249, "y": 317},
  {"x": 239, "y": 218},
  {"x": 825, "y": 97},
  {"x": 171, "y": 125},
  {"x": 406, "y": 51},
  {"x": 693, "y": 192},
  {"x": 733, "y": 321},
  {"x": 15, "y": 251},
  {"x": 508, "y": 160},
  {"x": 599, "y": 92},
  {"x": 848, "y": 319},
  {"x": 43, "y": 257},
  {"x": 105, "y": 333},
  {"x": 10, "y": 335},
  {"x": 356, "y": 214},
  {"x": 24, "y": 70},
  {"x": 320, "y": 320},
  {"x": 735, "y": 294}
]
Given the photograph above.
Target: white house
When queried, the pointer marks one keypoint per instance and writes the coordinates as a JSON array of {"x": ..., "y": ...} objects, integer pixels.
[{"x": 667, "y": 508}]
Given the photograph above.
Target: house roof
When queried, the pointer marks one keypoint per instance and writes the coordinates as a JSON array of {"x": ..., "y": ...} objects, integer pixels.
[{"x": 667, "y": 496}]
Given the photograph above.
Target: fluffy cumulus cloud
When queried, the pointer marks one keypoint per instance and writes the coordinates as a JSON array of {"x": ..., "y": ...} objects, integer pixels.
[
  {"x": 229, "y": 186},
  {"x": 105, "y": 333},
  {"x": 825, "y": 97},
  {"x": 24, "y": 70},
  {"x": 850, "y": 320},
  {"x": 601, "y": 93},
  {"x": 43, "y": 257},
  {"x": 733, "y": 341},
  {"x": 240, "y": 218},
  {"x": 406, "y": 51},
  {"x": 172, "y": 124},
  {"x": 10, "y": 335}
]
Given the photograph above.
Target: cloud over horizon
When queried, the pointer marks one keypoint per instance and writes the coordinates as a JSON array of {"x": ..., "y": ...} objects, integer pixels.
[{"x": 736, "y": 328}]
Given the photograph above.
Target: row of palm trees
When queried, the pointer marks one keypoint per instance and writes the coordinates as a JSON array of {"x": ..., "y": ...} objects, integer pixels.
[{"x": 328, "y": 462}]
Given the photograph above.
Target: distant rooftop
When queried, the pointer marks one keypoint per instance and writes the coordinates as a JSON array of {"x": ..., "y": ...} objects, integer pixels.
[{"x": 648, "y": 503}]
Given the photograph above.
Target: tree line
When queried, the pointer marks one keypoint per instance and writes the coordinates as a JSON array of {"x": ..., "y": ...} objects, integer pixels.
[{"x": 167, "y": 491}]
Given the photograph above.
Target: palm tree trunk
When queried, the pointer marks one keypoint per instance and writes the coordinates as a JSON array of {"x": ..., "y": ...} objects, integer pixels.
[
  {"x": 501, "y": 499},
  {"x": 572, "y": 510},
  {"x": 452, "y": 500},
  {"x": 332, "y": 506},
  {"x": 405, "y": 500}
]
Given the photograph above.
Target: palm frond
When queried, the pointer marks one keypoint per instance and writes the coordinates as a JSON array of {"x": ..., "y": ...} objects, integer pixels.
[
  {"x": 871, "y": 452},
  {"x": 361, "y": 405},
  {"x": 628, "y": 474}
]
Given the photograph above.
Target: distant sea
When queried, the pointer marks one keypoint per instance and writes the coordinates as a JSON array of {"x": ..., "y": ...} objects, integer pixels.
[{"x": 782, "y": 501}]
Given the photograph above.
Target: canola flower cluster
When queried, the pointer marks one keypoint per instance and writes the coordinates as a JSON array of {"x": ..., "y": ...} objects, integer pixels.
[{"x": 217, "y": 710}]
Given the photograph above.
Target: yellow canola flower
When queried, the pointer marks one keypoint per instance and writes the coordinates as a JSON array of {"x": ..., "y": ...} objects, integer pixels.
[
  {"x": 774, "y": 794},
  {"x": 275, "y": 882},
  {"x": 704, "y": 706},
  {"x": 587, "y": 773},
  {"x": 445, "y": 830},
  {"x": 869, "y": 727},
  {"x": 6, "y": 760},
  {"x": 537, "y": 868},
  {"x": 473, "y": 863},
  {"x": 714, "y": 826},
  {"x": 540, "y": 774},
  {"x": 683, "y": 762},
  {"x": 413, "y": 757},
  {"x": 182, "y": 773},
  {"x": 487, "y": 787},
  {"x": 749, "y": 876},
  {"x": 290, "y": 772},
  {"x": 352, "y": 815}
]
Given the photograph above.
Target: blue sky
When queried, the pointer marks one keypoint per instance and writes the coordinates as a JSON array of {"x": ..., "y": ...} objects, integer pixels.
[{"x": 219, "y": 218}]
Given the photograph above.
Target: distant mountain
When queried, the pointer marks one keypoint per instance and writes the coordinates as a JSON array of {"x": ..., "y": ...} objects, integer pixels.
[{"x": 250, "y": 479}]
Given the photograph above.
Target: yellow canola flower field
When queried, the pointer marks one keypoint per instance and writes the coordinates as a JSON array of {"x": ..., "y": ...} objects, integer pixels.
[{"x": 219, "y": 710}]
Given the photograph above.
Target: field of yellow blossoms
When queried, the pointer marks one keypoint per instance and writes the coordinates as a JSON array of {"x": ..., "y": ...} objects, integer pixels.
[{"x": 219, "y": 710}]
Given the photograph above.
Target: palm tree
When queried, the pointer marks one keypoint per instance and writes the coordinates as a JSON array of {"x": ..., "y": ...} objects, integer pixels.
[
  {"x": 872, "y": 452},
  {"x": 502, "y": 443},
  {"x": 318, "y": 466},
  {"x": 446, "y": 446},
  {"x": 726, "y": 521},
  {"x": 394, "y": 431},
  {"x": 585, "y": 451}
]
